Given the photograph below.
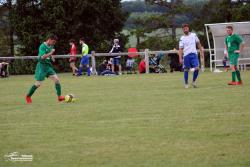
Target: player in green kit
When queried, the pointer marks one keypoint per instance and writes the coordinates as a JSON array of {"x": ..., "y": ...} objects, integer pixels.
[
  {"x": 234, "y": 46},
  {"x": 44, "y": 68}
]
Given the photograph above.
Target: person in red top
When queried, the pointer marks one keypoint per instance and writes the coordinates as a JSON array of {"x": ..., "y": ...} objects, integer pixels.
[
  {"x": 142, "y": 66},
  {"x": 72, "y": 58}
]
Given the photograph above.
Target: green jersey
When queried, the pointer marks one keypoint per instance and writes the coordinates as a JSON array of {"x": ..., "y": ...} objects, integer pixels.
[
  {"x": 44, "y": 66},
  {"x": 44, "y": 49},
  {"x": 85, "y": 49},
  {"x": 233, "y": 43}
]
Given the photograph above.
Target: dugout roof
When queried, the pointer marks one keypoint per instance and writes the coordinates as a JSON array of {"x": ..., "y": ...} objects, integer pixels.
[
  {"x": 216, "y": 45},
  {"x": 219, "y": 29}
]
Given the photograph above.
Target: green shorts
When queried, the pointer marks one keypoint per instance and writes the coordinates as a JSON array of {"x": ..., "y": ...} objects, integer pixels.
[
  {"x": 43, "y": 70},
  {"x": 233, "y": 58}
]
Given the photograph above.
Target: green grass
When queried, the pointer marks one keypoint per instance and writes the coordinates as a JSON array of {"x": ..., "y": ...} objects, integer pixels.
[{"x": 128, "y": 121}]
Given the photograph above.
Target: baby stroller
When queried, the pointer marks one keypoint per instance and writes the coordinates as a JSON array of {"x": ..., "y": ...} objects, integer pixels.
[
  {"x": 154, "y": 64},
  {"x": 130, "y": 66}
]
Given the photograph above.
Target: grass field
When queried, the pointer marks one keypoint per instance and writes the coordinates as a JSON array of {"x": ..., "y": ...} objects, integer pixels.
[{"x": 127, "y": 121}]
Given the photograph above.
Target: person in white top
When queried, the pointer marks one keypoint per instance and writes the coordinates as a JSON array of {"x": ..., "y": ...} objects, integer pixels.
[{"x": 188, "y": 54}]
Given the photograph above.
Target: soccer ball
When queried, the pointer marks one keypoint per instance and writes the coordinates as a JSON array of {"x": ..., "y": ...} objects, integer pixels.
[{"x": 70, "y": 98}]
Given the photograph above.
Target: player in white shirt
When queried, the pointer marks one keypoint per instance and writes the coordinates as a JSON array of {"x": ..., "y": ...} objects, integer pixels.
[{"x": 188, "y": 54}]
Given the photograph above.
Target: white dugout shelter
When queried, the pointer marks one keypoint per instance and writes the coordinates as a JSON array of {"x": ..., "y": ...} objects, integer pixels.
[{"x": 216, "y": 34}]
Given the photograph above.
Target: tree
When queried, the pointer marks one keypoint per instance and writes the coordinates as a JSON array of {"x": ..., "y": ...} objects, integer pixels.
[
  {"x": 96, "y": 20},
  {"x": 218, "y": 11},
  {"x": 241, "y": 12},
  {"x": 144, "y": 23},
  {"x": 139, "y": 6},
  {"x": 8, "y": 33},
  {"x": 173, "y": 7},
  {"x": 157, "y": 43},
  {"x": 4, "y": 49}
]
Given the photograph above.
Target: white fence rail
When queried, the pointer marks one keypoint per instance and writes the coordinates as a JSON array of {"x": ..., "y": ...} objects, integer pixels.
[
  {"x": 144, "y": 54},
  {"x": 94, "y": 55}
]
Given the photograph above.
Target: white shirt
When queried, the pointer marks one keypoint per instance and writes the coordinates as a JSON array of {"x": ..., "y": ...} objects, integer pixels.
[{"x": 188, "y": 43}]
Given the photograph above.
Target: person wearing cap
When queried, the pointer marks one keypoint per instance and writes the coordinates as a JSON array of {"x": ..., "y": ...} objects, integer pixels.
[
  {"x": 188, "y": 54},
  {"x": 116, "y": 60}
]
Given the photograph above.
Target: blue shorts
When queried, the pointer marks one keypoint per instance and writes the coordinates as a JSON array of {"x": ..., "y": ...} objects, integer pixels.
[
  {"x": 116, "y": 61},
  {"x": 85, "y": 60},
  {"x": 191, "y": 61}
]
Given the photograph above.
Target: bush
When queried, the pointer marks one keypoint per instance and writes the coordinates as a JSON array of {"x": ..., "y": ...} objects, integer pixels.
[
  {"x": 28, "y": 66},
  {"x": 22, "y": 67}
]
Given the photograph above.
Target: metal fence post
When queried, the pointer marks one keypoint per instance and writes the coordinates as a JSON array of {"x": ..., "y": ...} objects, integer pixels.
[
  {"x": 93, "y": 63},
  {"x": 147, "y": 60}
]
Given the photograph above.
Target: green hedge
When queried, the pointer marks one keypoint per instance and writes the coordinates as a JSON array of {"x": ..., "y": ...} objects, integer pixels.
[{"x": 28, "y": 66}]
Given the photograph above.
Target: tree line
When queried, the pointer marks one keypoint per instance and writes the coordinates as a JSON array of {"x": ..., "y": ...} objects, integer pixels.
[
  {"x": 30, "y": 21},
  {"x": 196, "y": 13}
]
